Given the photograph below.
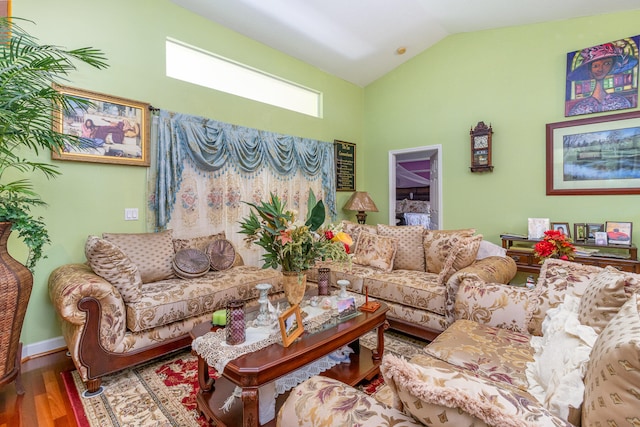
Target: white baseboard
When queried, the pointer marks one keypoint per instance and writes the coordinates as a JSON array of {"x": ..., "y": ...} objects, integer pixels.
[{"x": 45, "y": 346}]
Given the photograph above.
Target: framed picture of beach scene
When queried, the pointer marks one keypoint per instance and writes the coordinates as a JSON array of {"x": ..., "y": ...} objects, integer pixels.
[{"x": 112, "y": 130}]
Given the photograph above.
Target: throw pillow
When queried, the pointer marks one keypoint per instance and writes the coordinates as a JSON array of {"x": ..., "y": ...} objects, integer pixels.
[
  {"x": 376, "y": 251},
  {"x": 439, "y": 243},
  {"x": 410, "y": 255},
  {"x": 603, "y": 298},
  {"x": 353, "y": 229},
  {"x": 152, "y": 253},
  {"x": 200, "y": 242},
  {"x": 190, "y": 263},
  {"x": 612, "y": 394},
  {"x": 560, "y": 359},
  {"x": 109, "y": 262},
  {"x": 467, "y": 252},
  {"x": 557, "y": 279},
  {"x": 488, "y": 249},
  {"x": 431, "y": 389},
  {"x": 221, "y": 254}
]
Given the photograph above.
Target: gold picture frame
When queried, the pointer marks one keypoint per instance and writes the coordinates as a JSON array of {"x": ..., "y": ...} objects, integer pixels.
[
  {"x": 113, "y": 130},
  {"x": 290, "y": 325}
]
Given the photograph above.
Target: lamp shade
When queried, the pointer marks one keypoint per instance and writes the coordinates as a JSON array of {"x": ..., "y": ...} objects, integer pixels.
[{"x": 360, "y": 201}]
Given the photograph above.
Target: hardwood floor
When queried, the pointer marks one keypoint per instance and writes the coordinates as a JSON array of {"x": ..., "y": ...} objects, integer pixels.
[{"x": 45, "y": 402}]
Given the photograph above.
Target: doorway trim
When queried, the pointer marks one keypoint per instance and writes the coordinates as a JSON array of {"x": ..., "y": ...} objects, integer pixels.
[{"x": 428, "y": 149}]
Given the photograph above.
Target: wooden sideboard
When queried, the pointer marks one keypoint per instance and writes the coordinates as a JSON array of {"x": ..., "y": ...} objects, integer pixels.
[{"x": 622, "y": 257}]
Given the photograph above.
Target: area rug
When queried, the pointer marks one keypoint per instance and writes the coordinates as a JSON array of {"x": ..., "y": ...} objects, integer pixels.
[{"x": 162, "y": 393}]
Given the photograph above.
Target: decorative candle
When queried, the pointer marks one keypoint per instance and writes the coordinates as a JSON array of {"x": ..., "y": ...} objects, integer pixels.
[
  {"x": 323, "y": 281},
  {"x": 219, "y": 317},
  {"x": 235, "y": 322}
]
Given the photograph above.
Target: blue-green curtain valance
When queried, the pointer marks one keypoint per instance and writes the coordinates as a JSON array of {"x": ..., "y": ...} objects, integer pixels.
[{"x": 213, "y": 146}]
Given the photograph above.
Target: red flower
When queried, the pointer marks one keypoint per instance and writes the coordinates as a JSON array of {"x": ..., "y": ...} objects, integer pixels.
[{"x": 554, "y": 244}]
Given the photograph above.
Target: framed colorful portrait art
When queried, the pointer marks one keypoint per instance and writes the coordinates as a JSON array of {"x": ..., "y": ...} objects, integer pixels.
[
  {"x": 602, "y": 78},
  {"x": 113, "y": 130}
]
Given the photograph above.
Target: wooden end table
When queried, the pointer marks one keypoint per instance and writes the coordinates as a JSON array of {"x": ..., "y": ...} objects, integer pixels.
[{"x": 252, "y": 370}]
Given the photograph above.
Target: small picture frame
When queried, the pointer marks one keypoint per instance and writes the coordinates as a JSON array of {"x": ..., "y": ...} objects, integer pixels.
[
  {"x": 563, "y": 227},
  {"x": 591, "y": 231},
  {"x": 579, "y": 232},
  {"x": 346, "y": 307},
  {"x": 290, "y": 325},
  {"x": 537, "y": 227},
  {"x": 601, "y": 238},
  {"x": 618, "y": 233}
]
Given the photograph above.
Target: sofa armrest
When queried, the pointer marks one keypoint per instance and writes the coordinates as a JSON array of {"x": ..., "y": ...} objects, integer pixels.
[
  {"x": 70, "y": 283},
  {"x": 494, "y": 304},
  {"x": 493, "y": 269}
]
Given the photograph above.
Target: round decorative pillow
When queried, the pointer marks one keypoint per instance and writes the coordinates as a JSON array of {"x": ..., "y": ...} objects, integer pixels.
[
  {"x": 221, "y": 254},
  {"x": 190, "y": 263}
]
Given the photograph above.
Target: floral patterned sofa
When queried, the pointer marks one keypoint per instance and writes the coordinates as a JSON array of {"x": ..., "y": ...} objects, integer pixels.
[
  {"x": 130, "y": 302},
  {"x": 417, "y": 271},
  {"x": 564, "y": 354}
]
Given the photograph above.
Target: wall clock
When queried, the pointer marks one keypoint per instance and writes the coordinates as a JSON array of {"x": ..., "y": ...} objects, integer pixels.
[{"x": 481, "y": 148}]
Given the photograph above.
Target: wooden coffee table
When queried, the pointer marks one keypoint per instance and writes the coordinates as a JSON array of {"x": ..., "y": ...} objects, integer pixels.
[{"x": 255, "y": 369}]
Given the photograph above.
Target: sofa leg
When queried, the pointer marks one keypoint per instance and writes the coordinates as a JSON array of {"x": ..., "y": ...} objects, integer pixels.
[{"x": 93, "y": 388}]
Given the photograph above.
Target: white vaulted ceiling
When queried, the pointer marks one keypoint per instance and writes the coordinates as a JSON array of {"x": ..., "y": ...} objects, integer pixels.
[{"x": 358, "y": 40}]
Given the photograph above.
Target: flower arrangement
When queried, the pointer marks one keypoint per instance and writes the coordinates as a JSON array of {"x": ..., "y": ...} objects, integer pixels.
[
  {"x": 554, "y": 244},
  {"x": 289, "y": 243}
]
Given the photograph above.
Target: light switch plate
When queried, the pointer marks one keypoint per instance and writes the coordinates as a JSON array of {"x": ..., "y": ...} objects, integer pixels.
[{"x": 131, "y": 214}]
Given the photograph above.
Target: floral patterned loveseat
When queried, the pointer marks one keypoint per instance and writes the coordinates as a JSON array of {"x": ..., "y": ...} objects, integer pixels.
[
  {"x": 127, "y": 304},
  {"x": 564, "y": 354},
  {"x": 416, "y": 271}
]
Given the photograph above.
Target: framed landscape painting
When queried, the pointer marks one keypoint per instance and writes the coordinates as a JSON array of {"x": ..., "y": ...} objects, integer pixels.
[
  {"x": 597, "y": 155},
  {"x": 113, "y": 130}
]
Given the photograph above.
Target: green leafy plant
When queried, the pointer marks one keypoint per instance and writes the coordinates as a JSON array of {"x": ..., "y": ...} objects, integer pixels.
[
  {"x": 28, "y": 101},
  {"x": 291, "y": 244}
]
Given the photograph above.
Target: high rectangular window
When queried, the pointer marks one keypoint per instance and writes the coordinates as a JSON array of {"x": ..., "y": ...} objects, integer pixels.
[{"x": 206, "y": 69}]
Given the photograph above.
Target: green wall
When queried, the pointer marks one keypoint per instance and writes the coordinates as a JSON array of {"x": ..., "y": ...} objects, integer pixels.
[
  {"x": 512, "y": 78},
  {"x": 91, "y": 198}
]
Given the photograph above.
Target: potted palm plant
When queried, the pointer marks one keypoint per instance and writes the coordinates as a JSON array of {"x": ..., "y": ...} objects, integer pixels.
[
  {"x": 28, "y": 71},
  {"x": 28, "y": 99}
]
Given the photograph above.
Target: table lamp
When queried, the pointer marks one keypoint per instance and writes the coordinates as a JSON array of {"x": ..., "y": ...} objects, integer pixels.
[{"x": 360, "y": 201}]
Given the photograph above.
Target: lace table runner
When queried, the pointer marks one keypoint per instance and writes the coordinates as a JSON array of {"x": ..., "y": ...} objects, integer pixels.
[{"x": 213, "y": 348}]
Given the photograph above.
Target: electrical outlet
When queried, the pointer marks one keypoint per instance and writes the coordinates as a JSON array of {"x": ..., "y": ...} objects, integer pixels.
[{"x": 131, "y": 214}]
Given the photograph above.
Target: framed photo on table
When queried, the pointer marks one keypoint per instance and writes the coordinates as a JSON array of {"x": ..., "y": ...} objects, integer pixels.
[
  {"x": 563, "y": 227},
  {"x": 290, "y": 325},
  {"x": 591, "y": 230},
  {"x": 112, "y": 130},
  {"x": 579, "y": 232},
  {"x": 618, "y": 233}
]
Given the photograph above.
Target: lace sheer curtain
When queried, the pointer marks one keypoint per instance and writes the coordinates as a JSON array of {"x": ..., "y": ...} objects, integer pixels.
[{"x": 202, "y": 170}]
